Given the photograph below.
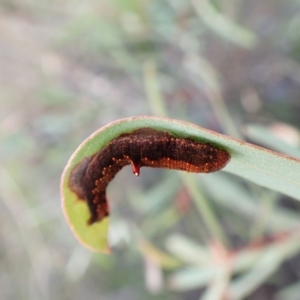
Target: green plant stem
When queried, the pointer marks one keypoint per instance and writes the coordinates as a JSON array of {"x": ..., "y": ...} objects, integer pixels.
[{"x": 204, "y": 210}]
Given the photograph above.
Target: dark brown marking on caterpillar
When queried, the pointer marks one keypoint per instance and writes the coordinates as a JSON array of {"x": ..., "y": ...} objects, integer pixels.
[{"x": 144, "y": 147}]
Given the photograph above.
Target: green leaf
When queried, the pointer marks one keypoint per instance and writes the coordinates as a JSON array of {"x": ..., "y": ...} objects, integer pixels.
[
  {"x": 223, "y": 26},
  {"x": 264, "y": 167},
  {"x": 192, "y": 277}
]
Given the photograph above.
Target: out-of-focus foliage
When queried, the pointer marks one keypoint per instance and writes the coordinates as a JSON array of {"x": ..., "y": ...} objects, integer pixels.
[{"x": 70, "y": 67}]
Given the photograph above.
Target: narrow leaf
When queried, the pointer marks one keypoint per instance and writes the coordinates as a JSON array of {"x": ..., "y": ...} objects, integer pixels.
[{"x": 264, "y": 167}]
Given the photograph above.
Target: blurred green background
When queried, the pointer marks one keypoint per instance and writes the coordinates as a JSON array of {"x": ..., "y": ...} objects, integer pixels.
[{"x": 70, "y": 67}]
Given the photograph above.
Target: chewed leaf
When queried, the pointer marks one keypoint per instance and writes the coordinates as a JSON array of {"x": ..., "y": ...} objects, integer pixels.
[
  {"x": 145, "y": 147},
  {"x": 157, "y": 142}
]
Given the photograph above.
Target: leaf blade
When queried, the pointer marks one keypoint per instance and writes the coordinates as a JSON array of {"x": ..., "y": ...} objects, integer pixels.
[{"x": 264, "y": 167}]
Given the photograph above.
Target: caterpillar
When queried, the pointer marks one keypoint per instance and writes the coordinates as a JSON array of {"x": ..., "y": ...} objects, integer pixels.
[{"x": 145, "y": 147}]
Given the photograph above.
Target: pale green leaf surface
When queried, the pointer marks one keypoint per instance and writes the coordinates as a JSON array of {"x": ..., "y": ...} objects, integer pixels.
[
  {"x": 261, "y": 166},
  {"x": 234, "y": 196},
  {"x": 187, "y": 250}
]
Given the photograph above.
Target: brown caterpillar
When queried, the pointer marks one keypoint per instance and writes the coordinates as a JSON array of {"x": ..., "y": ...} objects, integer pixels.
[{"x": 144, "y": 147}]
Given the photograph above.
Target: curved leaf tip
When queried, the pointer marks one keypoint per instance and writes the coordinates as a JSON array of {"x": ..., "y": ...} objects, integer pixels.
[{"x": 264, "y": 167}]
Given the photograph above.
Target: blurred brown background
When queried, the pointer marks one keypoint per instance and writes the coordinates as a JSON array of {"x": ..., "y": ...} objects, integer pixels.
[{"x": 70, "y": 67}]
